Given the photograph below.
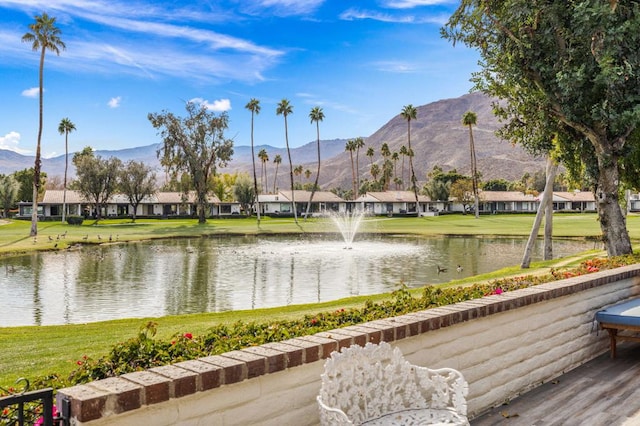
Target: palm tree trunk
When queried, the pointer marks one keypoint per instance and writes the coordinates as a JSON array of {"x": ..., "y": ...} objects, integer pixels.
[
  {"x": 36, "y": 168},
  {"x": 315, "y": 184},
  {"x": 64, "y": 184},
  {"x": 353, "y": 176},
  {"x": 474, "y": 173},
  {"x": 255, "y": 178},
  {"x": 413, "y": 174},
  {"x": 293, "y": 201}
]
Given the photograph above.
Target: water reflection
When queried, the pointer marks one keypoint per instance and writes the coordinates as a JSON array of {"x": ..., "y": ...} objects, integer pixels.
[{"x": 230, "y": 273}]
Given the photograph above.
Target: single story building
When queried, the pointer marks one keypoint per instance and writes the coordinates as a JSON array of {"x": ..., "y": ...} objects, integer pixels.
[
  {"x": 323, "y": 202},
  {"x": 160, "y": 204}
]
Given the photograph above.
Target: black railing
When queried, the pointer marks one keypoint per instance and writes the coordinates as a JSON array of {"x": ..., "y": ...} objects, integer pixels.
[{"x": 25, "y": 407}]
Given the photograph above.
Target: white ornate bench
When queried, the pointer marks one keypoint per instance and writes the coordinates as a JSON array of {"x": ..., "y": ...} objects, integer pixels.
[{"x": 375, "y": 385}]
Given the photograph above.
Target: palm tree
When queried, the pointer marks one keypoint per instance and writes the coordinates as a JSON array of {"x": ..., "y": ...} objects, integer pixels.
[
  {"x": 351, "y": 146},
  {"x": 297, "y": 171},
  {"x": 285, "y": 108},
  {"x": 264, "y": 157},
  {"x": 254, "y": 106},
  {"x": 370, "y": 153},
  {"x": 359, "y": 143},
  {"x": 403, "y": 152},
  {"x": 66, "y": 127},
  {"x": 409, "y": 113},
  {"x": 277, "y": 160},
  {"x": 316, "y": 115},
  {"x": 395, "y": 157},
  {"x": 44, "y": 36},
  {"x": 469, "y": 119}
]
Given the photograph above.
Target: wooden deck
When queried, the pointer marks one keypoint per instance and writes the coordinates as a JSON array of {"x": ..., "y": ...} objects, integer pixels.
[{"x": 604, "y": 391}]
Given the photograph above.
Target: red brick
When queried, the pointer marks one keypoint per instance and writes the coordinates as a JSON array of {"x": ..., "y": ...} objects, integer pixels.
[
  {"x": 256, "y": 364},
  {"x": 87, "y": 403},
  {"x": 155, "y": 387},
  {"x": 233, "y": 371},
  {"x": 124, "y": 395},
  {"x": 293, "y": 355},
  {"x": 208, "y": 375},
  {"x": 276, "y": 360},
  {"x": 183, "y": 382}
]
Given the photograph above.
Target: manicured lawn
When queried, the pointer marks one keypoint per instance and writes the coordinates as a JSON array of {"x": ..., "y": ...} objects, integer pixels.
[{"x": 38, "y": 350}]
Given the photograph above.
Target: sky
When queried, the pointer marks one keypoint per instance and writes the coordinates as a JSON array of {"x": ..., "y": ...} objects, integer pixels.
[{"x": 361, "y": 61}]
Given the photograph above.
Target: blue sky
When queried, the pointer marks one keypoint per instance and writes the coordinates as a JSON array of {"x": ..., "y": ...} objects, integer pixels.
[{"x": 361, "y": 61}]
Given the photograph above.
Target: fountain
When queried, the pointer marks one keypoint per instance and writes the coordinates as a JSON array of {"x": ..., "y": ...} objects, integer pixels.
[{"x": 348, "y": 224}]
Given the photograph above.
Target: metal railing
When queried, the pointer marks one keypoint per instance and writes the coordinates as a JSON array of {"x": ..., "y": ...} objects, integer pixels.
[{"x": 25, "y": 407}]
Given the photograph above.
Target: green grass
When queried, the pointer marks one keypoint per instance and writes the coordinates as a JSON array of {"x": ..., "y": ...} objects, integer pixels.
[{"x": 39, "y": 350}]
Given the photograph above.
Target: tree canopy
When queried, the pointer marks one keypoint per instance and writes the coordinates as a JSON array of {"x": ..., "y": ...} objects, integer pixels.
[
  {"x": 97, "y": 178},
  {"x": 565, "y": 68},
  {"x": 196, "y": 145}
]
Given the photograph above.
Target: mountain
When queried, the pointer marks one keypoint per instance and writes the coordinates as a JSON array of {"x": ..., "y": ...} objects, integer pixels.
[{"x": 437, "y": 137}]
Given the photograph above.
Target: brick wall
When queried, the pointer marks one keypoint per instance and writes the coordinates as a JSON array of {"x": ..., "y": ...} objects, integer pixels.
[{"x": 503, "y": 344}]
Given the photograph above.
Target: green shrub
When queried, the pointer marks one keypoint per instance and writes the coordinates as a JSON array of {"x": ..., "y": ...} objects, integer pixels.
[{"x": 75, "y": 220}]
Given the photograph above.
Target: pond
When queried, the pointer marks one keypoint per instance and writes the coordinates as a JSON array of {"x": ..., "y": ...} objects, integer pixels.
[{"x": 214, "y": 274}]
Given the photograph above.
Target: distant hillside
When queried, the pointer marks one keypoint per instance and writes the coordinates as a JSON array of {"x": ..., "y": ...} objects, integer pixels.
[{"x": 437, "y": 137}]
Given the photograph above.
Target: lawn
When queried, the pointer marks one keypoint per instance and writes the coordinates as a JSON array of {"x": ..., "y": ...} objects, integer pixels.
[{"x": 38, "y": 350}]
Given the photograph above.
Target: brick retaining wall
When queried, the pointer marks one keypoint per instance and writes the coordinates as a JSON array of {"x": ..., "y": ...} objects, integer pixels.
[{"x": 503, "y": 344}]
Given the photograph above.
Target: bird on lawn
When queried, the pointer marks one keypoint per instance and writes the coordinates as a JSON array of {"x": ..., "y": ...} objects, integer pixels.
[
  {"x": 459, "y": 269},
  {"x": 50, "y": 239}
]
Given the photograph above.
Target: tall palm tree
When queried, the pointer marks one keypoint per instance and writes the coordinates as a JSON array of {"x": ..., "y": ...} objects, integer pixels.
[
  {"x": 316, "y": 115},
  {"x": 65, "y": 127},
  {"x": 285, "y": 108},
  {"x": 403, "y": 152},
  {"x": 469, "y": 119},
  {"x": 409, "y": 113},
  {"x": 264, "y": 157},
  {"x": 44, "y": 36},
  {"x": 351, "y": 147},
  {"x": 254, "y": 106},
  {"x": 277, "y": 160},
  {"x": 359, "y": 143}
]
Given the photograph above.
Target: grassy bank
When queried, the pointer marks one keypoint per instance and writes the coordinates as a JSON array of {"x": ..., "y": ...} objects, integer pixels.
[{"x": 39, "y": 350}]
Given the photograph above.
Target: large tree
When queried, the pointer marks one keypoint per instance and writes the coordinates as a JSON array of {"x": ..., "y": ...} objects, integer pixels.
[
  {"x": 97, "y": 178},
  {"x": 8, "y": 193},
  {"x": 137, "y": 181},
  {"x": 254, "y": 106},
  {"x": 470, "y": 119},
  {"x": 316, "y": 115},
  {"x": 194, "y": 144},
  {"x": 409, "y": 113},
  {"x": 44, "y": 36},
  {"x": 566, "y": 68},
  {"x": 64, "y": 128},
  {"x": 285, "y": 108}
]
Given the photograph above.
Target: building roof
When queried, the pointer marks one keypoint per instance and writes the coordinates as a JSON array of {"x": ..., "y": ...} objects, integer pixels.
[
  {"x": 300, "y": 196},
  {"x": 393, "y": 197},
  {"x": 54, "y": 196},
  {"x": 575, "y": 196}
]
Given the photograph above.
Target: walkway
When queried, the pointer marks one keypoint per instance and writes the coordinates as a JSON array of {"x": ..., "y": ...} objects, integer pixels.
[{"x": 602, "y": 392}]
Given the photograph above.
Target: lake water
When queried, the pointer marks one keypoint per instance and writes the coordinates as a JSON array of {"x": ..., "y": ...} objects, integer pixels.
[{"x": 180, "y": 276}]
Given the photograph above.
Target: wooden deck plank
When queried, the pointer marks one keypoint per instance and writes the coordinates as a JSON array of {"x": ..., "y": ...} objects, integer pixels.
[{"x": 604, "y": 391}]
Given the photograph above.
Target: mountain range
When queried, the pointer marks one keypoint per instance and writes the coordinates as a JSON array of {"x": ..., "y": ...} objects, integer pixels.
[{"x": 438, "y": 138}]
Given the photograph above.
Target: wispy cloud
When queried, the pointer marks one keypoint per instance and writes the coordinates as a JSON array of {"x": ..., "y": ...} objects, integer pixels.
[
  {"x": 356, "y": 14},
  {"x": 409, "y": 4},
  {"x": 281, "y": 8},
  {"x": 31, "y": 92},
  {"x": 313, "y": 100},
  {"x": 219, "y": 105},
  {"x": 114, "y": 102},
  {"x": 10, "y": 141}
]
